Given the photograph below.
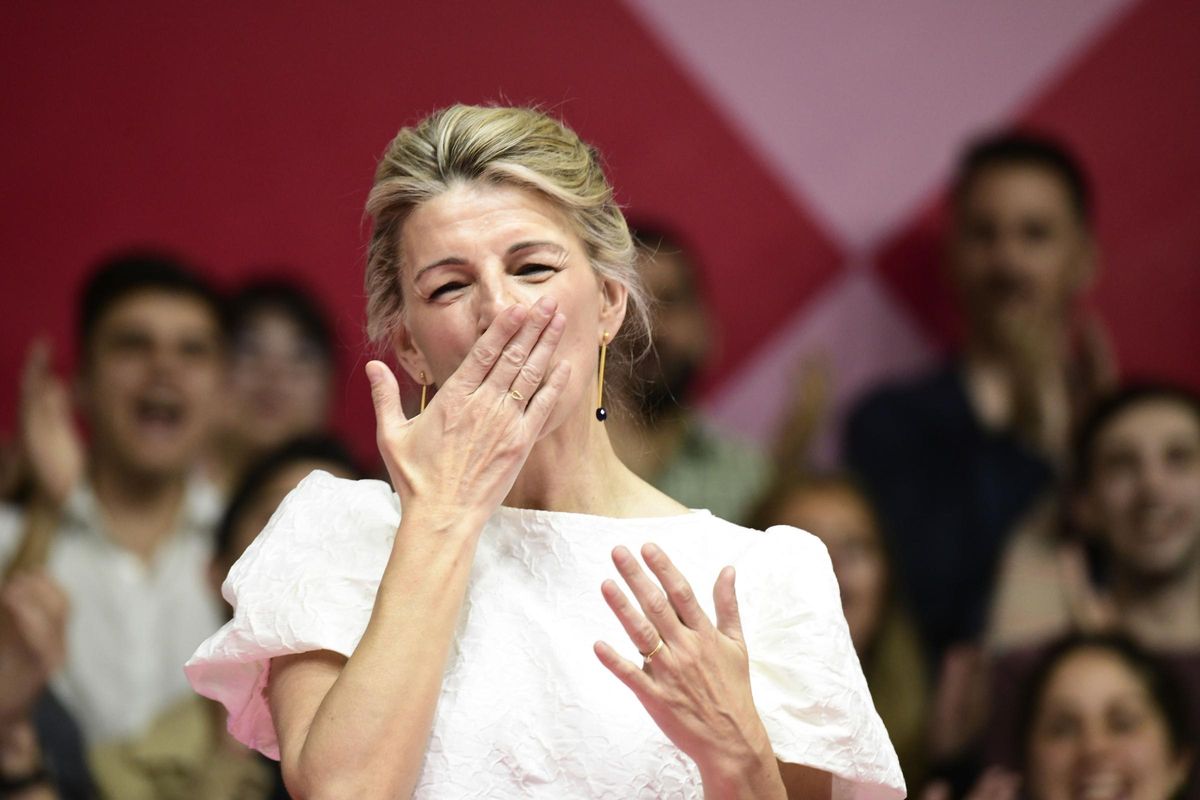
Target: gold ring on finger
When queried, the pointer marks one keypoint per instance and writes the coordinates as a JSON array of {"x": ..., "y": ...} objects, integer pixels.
[
  {"x": 646, "y": 657},
  {"x": 515, "y": 395}
]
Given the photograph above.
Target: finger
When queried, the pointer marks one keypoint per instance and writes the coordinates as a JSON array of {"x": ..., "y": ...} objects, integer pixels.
[
  {"x": 650, "y": 597},
  {"x": 729, "y": 618},
  {"x": 530, "y": 375},
  {"x": 516, "y": 353},
  {"x": 487, "y": 348},
  {"x": 678, "y": 590},
  {"x": 639, "y": 630},
  {"x": 37, "y": 360},
  {"x": 630, "y": 674},
  {"x": 385, "y": 396},
  {"x": 544, "y": 400}
]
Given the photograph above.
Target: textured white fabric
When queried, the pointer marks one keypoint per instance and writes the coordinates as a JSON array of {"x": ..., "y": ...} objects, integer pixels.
[
  {"x": 131, "y": 623},
  {"x": 526, "y": 709}
]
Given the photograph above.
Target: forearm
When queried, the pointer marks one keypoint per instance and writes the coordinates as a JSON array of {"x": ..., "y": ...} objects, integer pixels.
[{"x": 369, "y": 734}]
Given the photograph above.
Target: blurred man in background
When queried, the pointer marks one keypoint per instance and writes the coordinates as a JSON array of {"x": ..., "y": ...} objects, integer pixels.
[
  {"x": 955, "y": 458},
  {"x": 1137, "y": 508},
  {"x": 125, "y": 527},
  {"x": 664, "y": 441}
]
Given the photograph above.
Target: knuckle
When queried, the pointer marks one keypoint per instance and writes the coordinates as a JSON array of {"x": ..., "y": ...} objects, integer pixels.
[
  {"x": 485, "y": 355},
  {"x": 531, "y": 374},
  {"x": 684, "y": 594},
  {"x": 513, "y": 356},
  {"x": 657, "y": 604}
]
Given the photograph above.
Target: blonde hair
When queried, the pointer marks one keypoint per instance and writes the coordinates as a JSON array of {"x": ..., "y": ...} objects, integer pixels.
[{"x": 512, "y": 146}]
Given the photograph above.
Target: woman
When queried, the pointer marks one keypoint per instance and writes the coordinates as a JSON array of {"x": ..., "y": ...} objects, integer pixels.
[
  {"x": 1101, "y": 719},
  {"x": 836, "y": 511},
  {"x": 443, "y": 653}
]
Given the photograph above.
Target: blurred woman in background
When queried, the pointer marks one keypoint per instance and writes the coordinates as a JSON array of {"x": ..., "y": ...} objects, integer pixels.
[{"x": 835, "y": 510}]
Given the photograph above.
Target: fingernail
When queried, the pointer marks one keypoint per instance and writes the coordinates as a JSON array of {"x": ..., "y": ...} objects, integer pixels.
[
  {"x": 547, "y": 304},
  {"x": 372, "y": 373}
]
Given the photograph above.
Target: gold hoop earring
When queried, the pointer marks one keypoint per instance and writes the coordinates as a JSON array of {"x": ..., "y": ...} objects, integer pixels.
[
  {"x": 424, "y": 388},
  {"x": 601, "y": 411}
]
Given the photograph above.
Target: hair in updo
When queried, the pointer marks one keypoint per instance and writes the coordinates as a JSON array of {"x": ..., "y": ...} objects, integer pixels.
[{"x": 510, "y": 146}]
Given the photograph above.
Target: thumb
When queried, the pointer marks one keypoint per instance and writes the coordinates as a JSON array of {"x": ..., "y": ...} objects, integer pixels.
[
  {"x": 729, "y": 620},
  {"x": 385, "y": 396}
]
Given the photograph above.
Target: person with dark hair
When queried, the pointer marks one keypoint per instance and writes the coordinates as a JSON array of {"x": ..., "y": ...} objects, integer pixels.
[
  {"x": 1098, "y": 717},
  {"x": 955, "y": 458},
  {"x": 283, "y": 358},
  {"x": 1130, "y": 560},
  {"x": 664, "y": 440},
  {"x": 192, "y": 747},
  {"x": 125, "y": 527}
]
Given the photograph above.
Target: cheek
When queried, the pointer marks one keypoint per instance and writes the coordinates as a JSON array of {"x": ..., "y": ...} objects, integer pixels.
[
  {"x": 1146, "y": 755},
  {"x": 1051, "y": 764}
]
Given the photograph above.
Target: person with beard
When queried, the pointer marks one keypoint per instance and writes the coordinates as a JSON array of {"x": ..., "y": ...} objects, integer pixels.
[
  {"x": 124, "y": 527},
  {"x": 955, "y": 458},
  {"x": 664, "y": 441}
]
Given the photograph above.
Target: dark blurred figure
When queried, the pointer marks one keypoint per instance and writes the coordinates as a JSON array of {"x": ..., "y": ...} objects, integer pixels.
[
  {"x": 112, "y": 548},
  {"x": 835, "y": 510},
  {"x": 189, "y": 754},
  {"x": 282, "y": 368},
  {"x": 1135, "y": 566},
  {"x": 955, "y": 458},
  {"x": 1101, "y": 719},
  {"x": 664, "y": 441}
]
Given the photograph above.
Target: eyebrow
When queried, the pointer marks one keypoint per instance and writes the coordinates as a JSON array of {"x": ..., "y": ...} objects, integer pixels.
[{"x": 516, "y": 248}]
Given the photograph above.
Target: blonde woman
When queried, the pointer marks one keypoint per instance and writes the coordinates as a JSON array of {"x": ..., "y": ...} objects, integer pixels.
[{"x": 461, "y": 632}]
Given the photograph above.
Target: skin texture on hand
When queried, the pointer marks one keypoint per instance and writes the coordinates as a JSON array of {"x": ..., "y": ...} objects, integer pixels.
[
  {"x": 476, "y": 424},
  {"x": 696, "y": 688}
]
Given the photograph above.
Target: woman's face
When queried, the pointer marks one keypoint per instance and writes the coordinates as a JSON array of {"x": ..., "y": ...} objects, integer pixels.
[
  {"x": 839, "y": 518},
  {"x": 471, "y": 252},
  {"x": 1098, "y": 735}
]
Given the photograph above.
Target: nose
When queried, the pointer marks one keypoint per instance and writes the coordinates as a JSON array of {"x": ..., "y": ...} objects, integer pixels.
[
  {"x": 492, "y": 295},
  {"x": 1094, "y": 745}
]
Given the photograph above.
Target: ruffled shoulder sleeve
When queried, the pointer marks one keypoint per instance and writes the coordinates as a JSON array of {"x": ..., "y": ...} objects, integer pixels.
[
  {"x": 807, "y": 681},
  {"x": 308, "y": 582}
]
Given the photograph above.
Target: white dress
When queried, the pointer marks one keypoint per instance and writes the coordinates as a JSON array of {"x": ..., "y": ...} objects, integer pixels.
[{"x": 526, "y": 709}]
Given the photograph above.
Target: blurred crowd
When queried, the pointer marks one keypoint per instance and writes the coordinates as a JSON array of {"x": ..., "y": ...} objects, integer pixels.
[{"x": 1016, "y": 533}]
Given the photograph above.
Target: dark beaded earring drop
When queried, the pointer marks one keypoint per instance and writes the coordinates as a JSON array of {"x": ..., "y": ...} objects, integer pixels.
[{"x": 601, "y": 411}]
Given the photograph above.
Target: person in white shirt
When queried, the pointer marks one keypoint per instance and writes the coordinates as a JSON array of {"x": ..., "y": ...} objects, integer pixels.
[
  {"x": 463, "y": 637},
  {"x": 125, "y": 529}
]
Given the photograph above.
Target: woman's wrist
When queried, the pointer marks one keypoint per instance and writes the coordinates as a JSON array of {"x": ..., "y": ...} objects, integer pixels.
[{"x": 749, "y": 773}]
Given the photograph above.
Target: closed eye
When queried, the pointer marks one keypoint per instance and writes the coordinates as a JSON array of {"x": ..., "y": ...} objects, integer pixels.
[
  {"x": 446, "y": 288},
  {"x": 533, "y": 269}
]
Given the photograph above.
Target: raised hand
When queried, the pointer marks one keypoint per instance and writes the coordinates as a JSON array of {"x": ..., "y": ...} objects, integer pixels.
[
  {"x": 32, "y": 640},
  {"x": 695, "y": 682},
  {"x": 48, "y": 434},
  {"x": 462, "y": 455}
]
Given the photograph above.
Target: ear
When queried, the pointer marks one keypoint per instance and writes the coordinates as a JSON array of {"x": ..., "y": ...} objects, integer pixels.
[
  {"x": 614, "y": 297},
  {"x": 409, "y": 355}
]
